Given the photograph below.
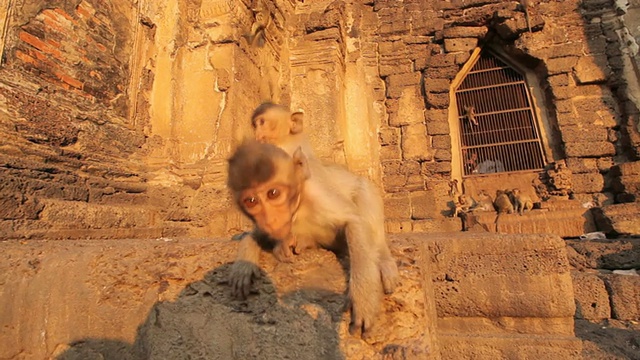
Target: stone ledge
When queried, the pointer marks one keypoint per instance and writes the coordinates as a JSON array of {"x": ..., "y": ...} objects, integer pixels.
[{"x": 103, "y": 292}]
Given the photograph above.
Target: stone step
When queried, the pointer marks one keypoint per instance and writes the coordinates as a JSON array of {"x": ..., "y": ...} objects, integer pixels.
[
  {"x": 564, "y": 222},
  {"x": 619, "y": 219},
  {"x": 526, "y": 346},
  {"x": 554, "y": 204},
  {"x": 60, "y": 219}
]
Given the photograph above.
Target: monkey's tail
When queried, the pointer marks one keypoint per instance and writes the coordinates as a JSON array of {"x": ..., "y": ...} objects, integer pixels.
[{"x": 497, "y": 221}]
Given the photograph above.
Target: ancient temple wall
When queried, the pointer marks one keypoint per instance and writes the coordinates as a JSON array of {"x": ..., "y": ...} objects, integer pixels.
[
  {"x": 135, "y": 111},
  {"x": 574, "y": 55}
]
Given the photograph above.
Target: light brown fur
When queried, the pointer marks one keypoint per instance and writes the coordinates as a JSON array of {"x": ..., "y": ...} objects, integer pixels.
[
  {"x": 484, "y": 203},
  {"x": 521, "y": 202},
  {"x": 503, "y": 204},
  {"x": 336, "y": 206}
]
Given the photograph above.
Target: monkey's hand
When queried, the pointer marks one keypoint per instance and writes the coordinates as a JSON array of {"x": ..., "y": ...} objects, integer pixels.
[
  {"x": 241, "y": 277},
  {"x": 282, "y": 251},
  {"x": 389, "y": 275}
]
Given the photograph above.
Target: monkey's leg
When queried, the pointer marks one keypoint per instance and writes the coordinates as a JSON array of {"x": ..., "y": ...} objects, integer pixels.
[
  {"x": 365, "y": 287},
  {"x": 245, "y": 269},
  {"x": 370, "y": 205}
]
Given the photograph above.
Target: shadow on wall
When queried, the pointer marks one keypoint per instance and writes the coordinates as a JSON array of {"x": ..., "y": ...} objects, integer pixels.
[
  {"x": 205, "y": 322},
  {"x": 602, "y": 341}
]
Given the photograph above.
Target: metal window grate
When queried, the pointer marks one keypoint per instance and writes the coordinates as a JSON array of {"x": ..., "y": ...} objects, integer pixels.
[{"x": 498, "y": 129}]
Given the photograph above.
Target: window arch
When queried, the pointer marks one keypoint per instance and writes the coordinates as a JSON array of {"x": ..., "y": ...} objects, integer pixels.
[{"x": 498, "y": 128}]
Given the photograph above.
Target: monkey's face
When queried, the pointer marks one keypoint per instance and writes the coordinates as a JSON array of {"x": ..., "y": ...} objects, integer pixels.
[
  {"x": 274, "y": 125},
  {"x": 267, "y": 183},
  {"x": 272, "y": 206}
]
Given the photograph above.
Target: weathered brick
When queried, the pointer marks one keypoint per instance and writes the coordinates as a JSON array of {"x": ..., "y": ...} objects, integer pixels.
[
  {"x": 410, "y": 167},
  {"x": 397, "y": 226},
  {"x": 583, "y": 133},
  {"x": 410, "y": 108},
  {"x": 397, "y": 83},
  {"x": 587, "y": 183},
  {"x": 562, "y": 92},
  {"x": 567, "y": 49},
  {"x": 442, "y": 155},
  {"x": 592, "y": 299},
  {"x": 626, "y": 169},
  {"x": 561, "y": 65},
  {"x": 465, "y": 32},
  {"x": 442, "y": 142},
  {"x": 394, "y": 183},
  {"x": 437, "y": 101},
  {"x": 390, "y": 152},
  {"x": 438, "y": 128},
  {"x": 436, "y": 168},
  {"x": 391, "y": 167},
  {"x": 590, "y": 149},
  {"x": 423, "y": 205},
  {"x": 448, "y": 72},
  {"x": 592, "y": 69},
  {"x": 437, "y": 115},
  {"x": 604, "y": 164},
  {"x": 460, "y": 44},
  {"x": 397, "y": 206},
  {"x": 389, "y": 136},
  {"x": 582, "y": 165},
  {"x": 441, "y": 60},
  {"x": 394, "y": 66},
  {"x": 415, "y": 145},
  {"x": 564, "y": 106},
  {"x": 558, "y": 80},
  {"x": 625, "y": 296},
  {"x": 392, "y": 48},
  {"x": 597, "y": 110},
  {"x": 462, "y": 57},
  {"x": 436, "y": 86}
]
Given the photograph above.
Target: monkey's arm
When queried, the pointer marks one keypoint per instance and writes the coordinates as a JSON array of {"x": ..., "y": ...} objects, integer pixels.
[
  {"x": 245, "y": 268},
  {"x": 365, "y": 288}
]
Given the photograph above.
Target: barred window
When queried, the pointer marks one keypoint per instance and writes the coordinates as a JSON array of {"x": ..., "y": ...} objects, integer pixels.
[{"x": 498, "y": 127}]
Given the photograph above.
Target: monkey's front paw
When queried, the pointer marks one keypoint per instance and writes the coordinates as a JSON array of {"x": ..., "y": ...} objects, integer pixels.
[
  {"x": 241, "y": 277},
  {"x": 389, "y": 275},
  {"x": 283, "y": 253},
  {"x": 361, "y": 320}
]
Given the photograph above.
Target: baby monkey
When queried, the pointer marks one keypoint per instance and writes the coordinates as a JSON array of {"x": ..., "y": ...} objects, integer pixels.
[
  {"x": 503, "y": 204},
  {"x": 521, "y": 201},
  {"x": 275, "y": 124},
  {"x": 290, "y": 198}
]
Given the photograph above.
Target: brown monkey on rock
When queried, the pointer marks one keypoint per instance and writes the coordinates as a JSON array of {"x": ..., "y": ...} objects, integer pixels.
[{"x": 326, "y": 204}]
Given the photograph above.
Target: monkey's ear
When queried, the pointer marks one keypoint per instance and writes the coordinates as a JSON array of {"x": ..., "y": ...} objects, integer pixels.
[
  {"x": 301, "y": 164},
  {"x": 297, "y": 122}
]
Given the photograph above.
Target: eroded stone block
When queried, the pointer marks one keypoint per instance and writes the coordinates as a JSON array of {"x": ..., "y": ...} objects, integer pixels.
[{"x": 592, "y": 299}]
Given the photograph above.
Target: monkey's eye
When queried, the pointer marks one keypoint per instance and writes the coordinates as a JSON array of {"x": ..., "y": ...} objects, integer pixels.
[
  {"x": 261, "y": 122},
  {"x": 250, "y": 202},
  {"x": 273, "y": 194}
]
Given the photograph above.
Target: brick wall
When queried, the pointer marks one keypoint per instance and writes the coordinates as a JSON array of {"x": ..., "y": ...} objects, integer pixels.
[
  {"x": 67, "y": 142},
  {"x": 573, "y": 49}
]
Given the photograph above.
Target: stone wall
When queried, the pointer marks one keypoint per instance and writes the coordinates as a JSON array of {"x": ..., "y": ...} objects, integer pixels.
[
  {"x": 68, "y": 138},
  {"x": 126, "y": 113},
  {"x": 576, "y": 53},
  {"x": 113, "y": 299}
]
